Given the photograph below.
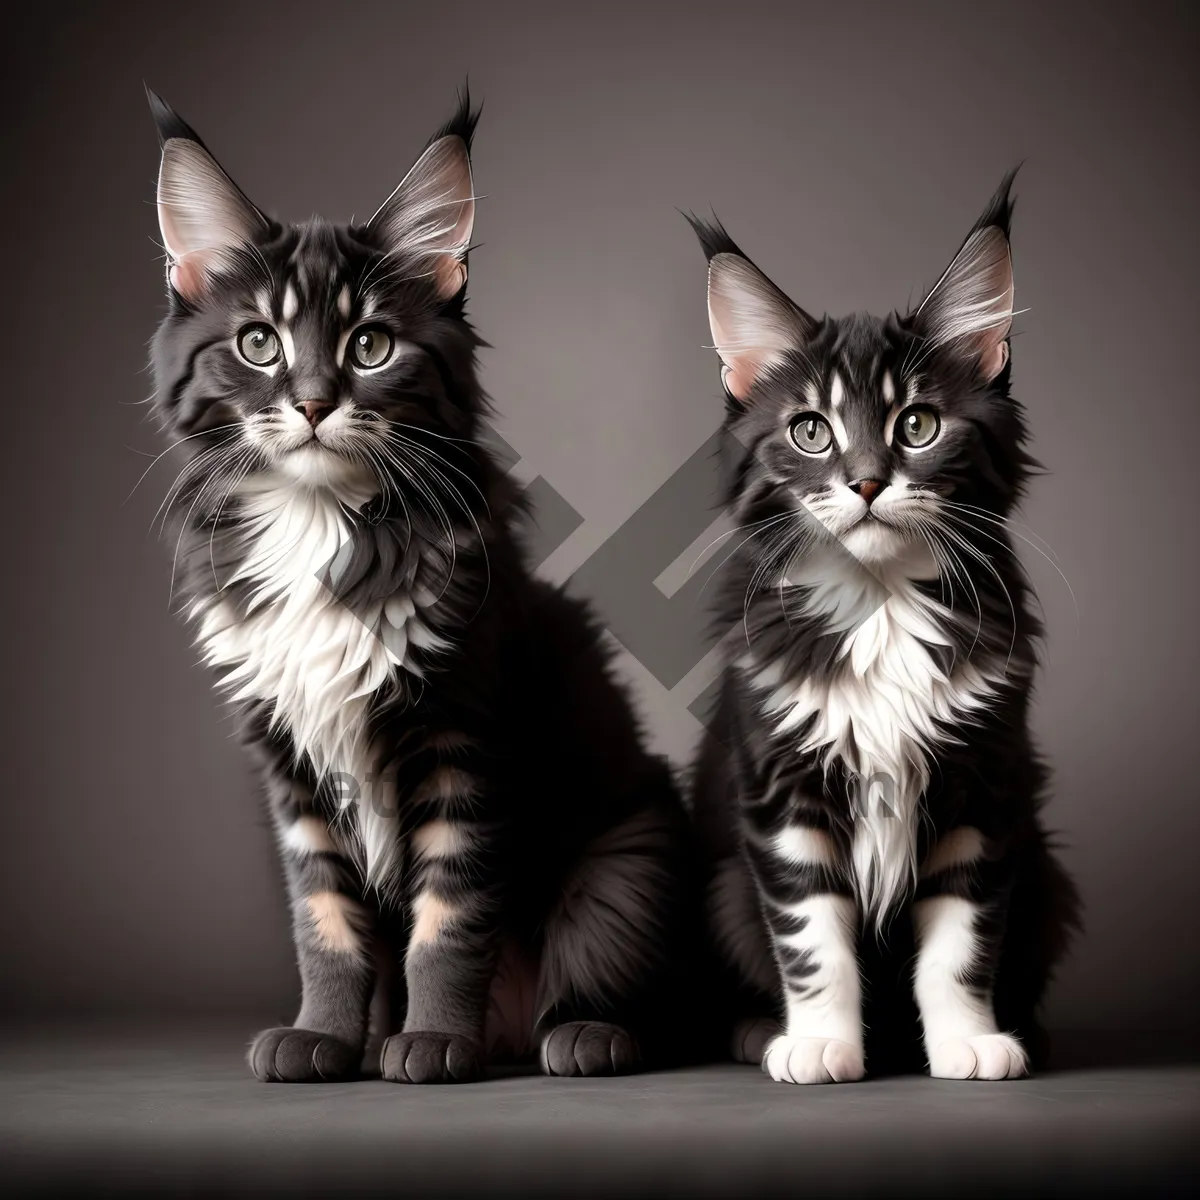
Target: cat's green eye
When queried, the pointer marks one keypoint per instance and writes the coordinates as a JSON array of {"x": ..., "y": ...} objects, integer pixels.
[
  {"x": 259, "y": 345},
  {"x": 811, "y": 433},
  {"x": 370, "y": 346},
  {"x": 917, "y": 426}
]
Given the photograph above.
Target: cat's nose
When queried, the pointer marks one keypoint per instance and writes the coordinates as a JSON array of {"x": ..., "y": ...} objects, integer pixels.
[
  {"x": 868, "y": 489},
  {"x": 315, "y": 410}
]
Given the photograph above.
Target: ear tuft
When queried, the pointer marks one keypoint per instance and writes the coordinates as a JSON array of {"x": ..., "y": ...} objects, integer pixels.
[
  {"x": 167, "y": 121},
  {"x": 462, "y": 124},
  {"x": 753, "y": 324}
]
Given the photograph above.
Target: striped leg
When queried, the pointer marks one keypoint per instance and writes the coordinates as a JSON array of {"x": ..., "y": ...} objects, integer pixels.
[
  {"x": 813, "y": 922},
  {"x": 453, "y": 944},
  {"x": 959, "y": 914},
  {"x": 331, "y": 928}
]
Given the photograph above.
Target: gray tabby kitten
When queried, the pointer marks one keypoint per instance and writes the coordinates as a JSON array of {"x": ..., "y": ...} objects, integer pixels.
[{"x": 463, "y": 805}]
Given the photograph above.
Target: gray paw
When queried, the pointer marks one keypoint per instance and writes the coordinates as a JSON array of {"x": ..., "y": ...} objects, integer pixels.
[
  {"x": 750, "y": 1038},
  {"x": 429, "y": 1058},
  {"x": 589, "y": 1048},
  {"x": 290, "y": 1055}
]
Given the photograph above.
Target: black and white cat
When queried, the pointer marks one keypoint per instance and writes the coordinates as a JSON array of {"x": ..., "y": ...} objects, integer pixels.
[
  {"x": 868, "y": 795},
  {"x": 459, "y": 789}
]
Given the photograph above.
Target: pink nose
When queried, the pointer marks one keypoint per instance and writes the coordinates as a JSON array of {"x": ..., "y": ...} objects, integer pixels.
[
  {"x": 868, "y": 489},
  {"x": 315, "y": 410}
]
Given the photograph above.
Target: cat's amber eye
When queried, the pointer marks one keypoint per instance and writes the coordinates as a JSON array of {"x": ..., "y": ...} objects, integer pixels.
[
  {"x": 370, "y": 346},
  {"x": 259, "y": 345},
  {"x": 917, "y": 426},
  {"x": 811, "y": 433}
]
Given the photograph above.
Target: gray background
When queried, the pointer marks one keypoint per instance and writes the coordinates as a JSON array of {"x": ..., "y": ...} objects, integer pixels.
[{"x": 848, "y": 147}]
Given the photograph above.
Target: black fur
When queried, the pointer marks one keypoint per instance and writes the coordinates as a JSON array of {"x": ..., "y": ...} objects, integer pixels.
[
  {"x": 983, "y": 772},
  {"x": 562, "y": 865}
]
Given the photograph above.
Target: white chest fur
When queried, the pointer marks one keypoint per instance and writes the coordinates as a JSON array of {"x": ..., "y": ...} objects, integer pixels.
[
  {"x": 311, "y": 658},
  {"x": 880, "y": 713}
]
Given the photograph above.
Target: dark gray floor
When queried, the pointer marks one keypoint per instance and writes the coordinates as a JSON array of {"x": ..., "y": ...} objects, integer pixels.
[{"x": 177, "y": 1111}]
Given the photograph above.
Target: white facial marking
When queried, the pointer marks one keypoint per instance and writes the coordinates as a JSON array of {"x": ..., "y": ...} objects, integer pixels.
[
  {"x": 889, "y": 388},
  {"x": 837, "y": 391},
  {"x": 291, "y": 303},
  {"x": 839, "y": 430},
  {"x": 343, "y": 302}
]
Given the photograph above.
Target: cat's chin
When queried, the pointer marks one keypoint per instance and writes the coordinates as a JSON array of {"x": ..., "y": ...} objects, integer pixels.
[
  {"x": 871, "y": 541},
  {"x": 318, "y": 466}
]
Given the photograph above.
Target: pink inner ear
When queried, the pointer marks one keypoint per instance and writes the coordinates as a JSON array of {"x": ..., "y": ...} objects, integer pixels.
[
  {"x": 739, "y": 378},
  {"x": 992, "y": 360},
  {"x": 187, "y": 276},
  {"x": 449, "y": 276}
]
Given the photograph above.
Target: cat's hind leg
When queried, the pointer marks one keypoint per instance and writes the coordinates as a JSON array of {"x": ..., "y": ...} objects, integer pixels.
[{"x": 608, "y": 948}]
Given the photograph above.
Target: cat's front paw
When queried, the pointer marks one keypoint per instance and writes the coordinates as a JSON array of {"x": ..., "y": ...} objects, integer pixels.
[
  {"x": 985, "y": 1056},
  {"x": 588, "y": 1048},
  {"x": 812, "y": 1060},
  {"x": 429, "y": 1058},
  {"x": 289, "y": 1055}
]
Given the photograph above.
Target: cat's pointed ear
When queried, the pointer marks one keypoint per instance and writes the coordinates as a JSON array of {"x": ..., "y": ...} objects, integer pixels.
[
  {"x": 753, "y": 323},
  {"x": 432, "y": 212},
  {"x": 202, "y": 213},
  {"x": 969, "y": 310}
]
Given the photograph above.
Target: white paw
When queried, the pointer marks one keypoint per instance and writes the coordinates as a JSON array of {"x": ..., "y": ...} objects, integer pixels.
[
  {"x": 812, "y": 1060},
  {"x": 985, "y": 1056}
]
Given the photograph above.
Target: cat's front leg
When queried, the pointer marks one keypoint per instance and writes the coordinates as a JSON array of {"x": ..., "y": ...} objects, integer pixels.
[
  {"x": 813, "y": 923},
  {"x": 959, "y": 915},
  {"x": 331, "y": 927},
  {"x": 454, "y": 939}
]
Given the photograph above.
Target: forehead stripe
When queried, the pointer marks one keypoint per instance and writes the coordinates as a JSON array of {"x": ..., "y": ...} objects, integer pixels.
[{"x": 837, "y": 390}]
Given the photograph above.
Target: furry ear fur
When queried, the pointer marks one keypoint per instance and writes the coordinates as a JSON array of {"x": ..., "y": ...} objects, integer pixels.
[
  {"x": 202, "y": 214},
  {"x": 969, "y": 310},
  {"x": 432, "y": 211},
  {"x": 753, "y": 323}
]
